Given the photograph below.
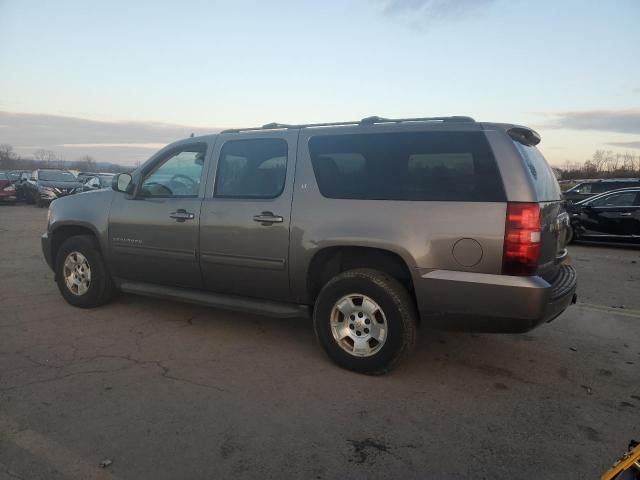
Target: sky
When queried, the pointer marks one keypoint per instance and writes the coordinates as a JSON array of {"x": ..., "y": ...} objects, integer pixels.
[{"x": 119, "y": 79}]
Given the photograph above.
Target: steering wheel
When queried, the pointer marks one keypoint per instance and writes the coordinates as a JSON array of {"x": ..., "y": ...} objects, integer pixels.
[
  {"x": 156, "y": 184},
  {"x": 182, "y": 182},
  {"x": 188, "y": 179}
]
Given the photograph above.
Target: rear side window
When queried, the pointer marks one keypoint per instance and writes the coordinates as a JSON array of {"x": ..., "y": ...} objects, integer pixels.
[
  {"x": 254, "y": 168},
  {"x": 603, "y": 187},
  {"x": 544, "y": 180},
  {"x": 622, "y": 199},
  {"x": 422, "y": 166}
]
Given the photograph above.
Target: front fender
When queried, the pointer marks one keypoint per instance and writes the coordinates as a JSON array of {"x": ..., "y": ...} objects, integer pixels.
[{"x": 88, "y": 210}]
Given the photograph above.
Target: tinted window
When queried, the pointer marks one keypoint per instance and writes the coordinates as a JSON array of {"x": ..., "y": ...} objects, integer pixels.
[
  {"x": 602, "y": 187},
  {"x": 582, "y": 188},
  {"x": 177, "y": 175},
  {"x": 446, "y": 166},
  {"x": 544, "y": 180},
  {"x": 3, "y": 176},
  {"x": 252, "y": 168},
  {"x": 56, "y": 176},
  {"x": 623, "y": 199}
]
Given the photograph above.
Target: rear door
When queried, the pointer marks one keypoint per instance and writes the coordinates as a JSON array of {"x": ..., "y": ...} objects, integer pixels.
[{"x": 246, "y": 215}]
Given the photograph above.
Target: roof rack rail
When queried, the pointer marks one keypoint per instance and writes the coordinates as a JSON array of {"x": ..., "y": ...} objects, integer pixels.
[{"x": 365, "y": 121}]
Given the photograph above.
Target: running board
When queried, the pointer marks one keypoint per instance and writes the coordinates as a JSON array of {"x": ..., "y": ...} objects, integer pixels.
[{"x": 218, "y": 300}]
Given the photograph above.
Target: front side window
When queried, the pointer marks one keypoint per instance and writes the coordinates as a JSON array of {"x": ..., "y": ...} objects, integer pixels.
[
  {"x": 420, "y": 166},
  {"x": 623, "y": 199},
  {"x": 178, "y": 175},
  {"x": 254, "y": 168}
]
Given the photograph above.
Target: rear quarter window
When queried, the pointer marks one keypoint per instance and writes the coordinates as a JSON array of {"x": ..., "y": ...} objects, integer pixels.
[
  {"x": 542, "y": 176},
  {"x": 417, "y": 166}
]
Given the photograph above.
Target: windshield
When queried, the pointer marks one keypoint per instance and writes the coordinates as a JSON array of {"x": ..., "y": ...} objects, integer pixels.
[{"x": 56, "y": 176}]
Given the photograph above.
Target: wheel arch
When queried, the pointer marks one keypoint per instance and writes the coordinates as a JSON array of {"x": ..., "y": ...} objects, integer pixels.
[
  {"x": 332, "y": 260},
  {"x": 65, "y": 231}
]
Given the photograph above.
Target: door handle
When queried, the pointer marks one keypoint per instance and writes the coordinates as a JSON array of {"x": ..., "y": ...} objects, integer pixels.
[
  {"x": 181, "y": 215},
  {"x": 626, "y": 214},
  {"x": 267, "y": 218}
]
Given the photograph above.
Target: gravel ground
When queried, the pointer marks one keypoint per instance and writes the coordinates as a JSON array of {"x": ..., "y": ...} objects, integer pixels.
[{"x": 166, "y": 390}]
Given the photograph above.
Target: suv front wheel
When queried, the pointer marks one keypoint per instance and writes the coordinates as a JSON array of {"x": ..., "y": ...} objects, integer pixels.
[
  {"x": 365, "y": 320},
  {"x": 81, "y": 275}
]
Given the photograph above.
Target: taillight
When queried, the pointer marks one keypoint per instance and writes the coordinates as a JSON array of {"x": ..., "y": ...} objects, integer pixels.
[{"x": 521, "y": 239}]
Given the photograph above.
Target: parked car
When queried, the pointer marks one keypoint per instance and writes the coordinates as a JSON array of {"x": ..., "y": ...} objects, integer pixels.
[
  {"x": 45, "y": 185},
  {"x": 368, "y": 226},
  {"x": 612, "y": 217},
  {"x": 82, "y": 176},
  {"x": 7, "y": 189},
  {"x": 97, "y": 181},
  {"x": 584, "y": 190}
]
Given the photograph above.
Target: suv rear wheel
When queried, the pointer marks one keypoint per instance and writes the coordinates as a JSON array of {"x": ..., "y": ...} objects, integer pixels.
[
  {"x": 365, "y": 320},
  {"x": 81, "y": 275}
]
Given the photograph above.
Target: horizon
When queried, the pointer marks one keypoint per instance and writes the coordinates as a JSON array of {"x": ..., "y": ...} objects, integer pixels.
[{"x": 555, "y": 69}]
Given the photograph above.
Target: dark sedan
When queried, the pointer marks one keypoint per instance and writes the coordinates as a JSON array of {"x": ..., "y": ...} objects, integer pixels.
[
  {"x": 589, "y": 189},
  {"x": 45, "y": 185},
  {"x": 612, "y": 217}
]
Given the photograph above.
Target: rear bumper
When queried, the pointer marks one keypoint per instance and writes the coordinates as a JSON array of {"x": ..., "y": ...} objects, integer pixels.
[{"x": 493, "y": 303}]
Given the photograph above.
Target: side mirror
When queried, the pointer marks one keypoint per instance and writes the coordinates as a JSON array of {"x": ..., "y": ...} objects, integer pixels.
[
  {"x": 122, "y": 182},
  {"x": 588, "y": 206}
]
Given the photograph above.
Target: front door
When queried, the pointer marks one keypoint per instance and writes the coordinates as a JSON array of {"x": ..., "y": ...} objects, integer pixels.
[
  {"x": 246, "y": 214},
  {"x": 153, "y": 233}
]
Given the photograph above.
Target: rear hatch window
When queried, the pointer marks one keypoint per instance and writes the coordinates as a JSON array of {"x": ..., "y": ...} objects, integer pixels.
[{"x": 541, "y": 174}]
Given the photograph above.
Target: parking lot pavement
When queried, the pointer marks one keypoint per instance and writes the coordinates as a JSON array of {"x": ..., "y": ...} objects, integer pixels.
[{"x": 166, "y": 390}]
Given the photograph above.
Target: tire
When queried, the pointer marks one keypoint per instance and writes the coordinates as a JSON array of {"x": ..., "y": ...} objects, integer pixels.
[
  {"x": 395, "y": 310},
  {"x": 99, "y": 288}
]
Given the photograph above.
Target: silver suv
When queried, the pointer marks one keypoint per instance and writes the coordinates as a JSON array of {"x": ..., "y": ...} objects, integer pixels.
[{"x": 369, "y": 226}]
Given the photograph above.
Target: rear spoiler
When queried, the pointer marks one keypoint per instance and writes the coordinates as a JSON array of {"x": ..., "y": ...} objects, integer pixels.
[{"x": 524, "y": 135}]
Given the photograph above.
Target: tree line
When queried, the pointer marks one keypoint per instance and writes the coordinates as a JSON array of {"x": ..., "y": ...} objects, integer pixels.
[
  {"x": 10, "y": 160},
  {"x": 603, "y": 164}
]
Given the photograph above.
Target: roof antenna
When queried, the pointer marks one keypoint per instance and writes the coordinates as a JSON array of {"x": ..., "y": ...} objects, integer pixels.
[{"x": 191, "y": 136}]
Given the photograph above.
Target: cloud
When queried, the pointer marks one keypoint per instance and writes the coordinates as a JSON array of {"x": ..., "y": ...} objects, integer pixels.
[
  {"x": 618, "y": 121},
  {"x": 70, "y": 137},
  {"x": 418, "y": 12},
  {"x": 626, "y": 144}
]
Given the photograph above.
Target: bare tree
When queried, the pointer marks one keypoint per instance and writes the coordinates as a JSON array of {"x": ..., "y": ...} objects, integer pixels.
[
  {"x": 7, "y": 156},
  {"x": 45, "y": 156},
  {"x": 86, "y": 163}
]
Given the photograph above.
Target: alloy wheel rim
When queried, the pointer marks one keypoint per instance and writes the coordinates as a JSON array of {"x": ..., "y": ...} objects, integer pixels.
[
  {"x": 77, "y": 273},
  {"x": 358, "y": 325}
]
